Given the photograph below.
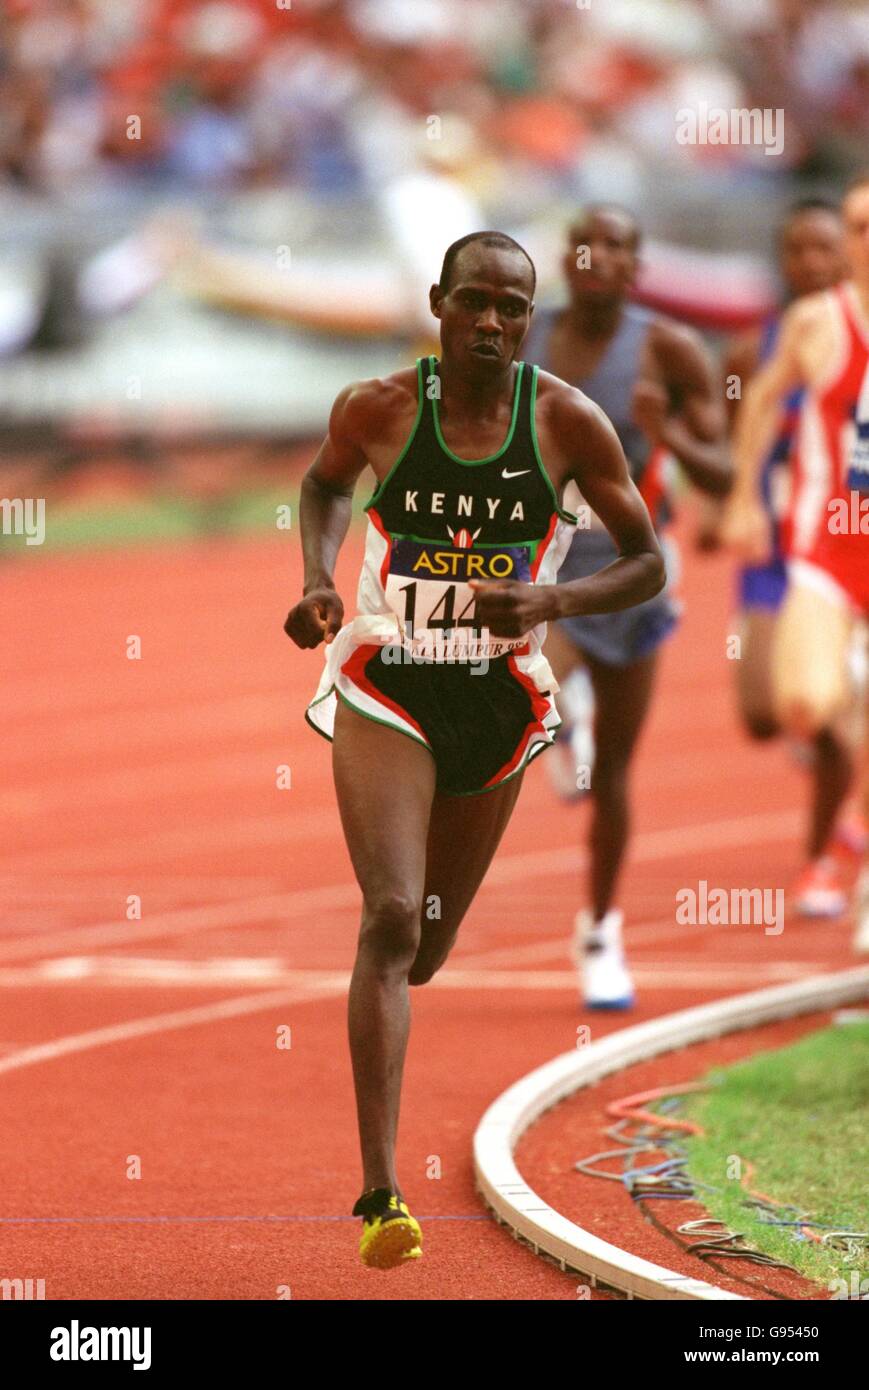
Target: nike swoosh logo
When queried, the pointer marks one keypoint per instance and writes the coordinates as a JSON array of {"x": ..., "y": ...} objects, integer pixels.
[{"x": 517, "y": 474}]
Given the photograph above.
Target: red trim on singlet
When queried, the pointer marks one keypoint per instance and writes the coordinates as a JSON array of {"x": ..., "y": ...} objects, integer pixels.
[
  {"x": 354, "y": 669},
  {"x": 544, "y": 546},
  {"x": 841, "y": 392},
  {"x": 652, "y": 485},
  {"x": 378, "y": 525},
  {"x": 539, "y": 706},
  {"x": 844, "y": 556}
]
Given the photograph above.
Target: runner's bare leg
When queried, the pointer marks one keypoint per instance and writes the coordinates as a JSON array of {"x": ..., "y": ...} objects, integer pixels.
[
  {"x": 622, "y": 696},
  {"x": 385, "y": 783},
  {"x": 464, "y": 833},
  {"x": 426, "y": 847}
]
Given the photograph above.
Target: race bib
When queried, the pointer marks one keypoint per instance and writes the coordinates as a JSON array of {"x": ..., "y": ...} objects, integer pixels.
[{"x": 427, "y": 588}]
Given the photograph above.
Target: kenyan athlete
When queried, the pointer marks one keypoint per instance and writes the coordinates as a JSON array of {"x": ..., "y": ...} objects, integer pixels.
[{"x": 437, "y": 694}]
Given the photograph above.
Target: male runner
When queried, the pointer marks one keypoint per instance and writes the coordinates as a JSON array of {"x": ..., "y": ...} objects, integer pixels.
[
  {"x": 811, "y": 258},
  {"x": 465, "y": 534},
  {"x": 823, "y": 346},
  {"x": 858, "y": 480},
  {"x": 655, "y": 381}
]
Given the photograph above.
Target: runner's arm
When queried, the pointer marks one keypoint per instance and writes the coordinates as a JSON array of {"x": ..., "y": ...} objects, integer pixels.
[
  {"x": 741, "y": 361},
  {"x": 745, "y": 524},
  {"x": 694, "y": 430},
  {"x": 761, "y": 411},
  {"x": 510, "y": 608},
  {"x": 325, "y": 508},
  {"x": 600, "y": 471}
]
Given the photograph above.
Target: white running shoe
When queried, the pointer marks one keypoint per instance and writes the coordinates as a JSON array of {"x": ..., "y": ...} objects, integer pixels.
[
  {"x": 597, "y": 950},
  {"x": 818, "y": 891}
]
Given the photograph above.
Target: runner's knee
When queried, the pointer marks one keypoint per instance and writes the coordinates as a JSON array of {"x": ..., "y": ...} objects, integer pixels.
[
  {"x": 390, "y": 927},
  {"x": 806, "y": 714}
]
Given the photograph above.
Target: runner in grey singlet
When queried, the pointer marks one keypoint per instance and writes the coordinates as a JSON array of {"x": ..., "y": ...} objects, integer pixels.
[
  {"x": 616, "y": 639},
  {"x": 659, "y": 373}
]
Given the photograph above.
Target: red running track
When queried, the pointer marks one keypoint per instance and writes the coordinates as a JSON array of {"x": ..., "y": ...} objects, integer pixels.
[{"x": 151, "y": 1039}]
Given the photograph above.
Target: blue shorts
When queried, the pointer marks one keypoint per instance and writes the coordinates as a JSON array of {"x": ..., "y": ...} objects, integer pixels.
[
  {"x": 764, "y": 586},
  {"x": 618, "y": 639}
]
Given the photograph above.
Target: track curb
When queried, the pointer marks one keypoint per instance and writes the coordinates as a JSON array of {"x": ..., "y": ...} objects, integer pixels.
[{"x": 530, "y": 1218}]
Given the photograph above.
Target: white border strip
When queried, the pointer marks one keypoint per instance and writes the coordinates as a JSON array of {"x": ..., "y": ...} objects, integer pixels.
[{"x": 499, "y": 1131}]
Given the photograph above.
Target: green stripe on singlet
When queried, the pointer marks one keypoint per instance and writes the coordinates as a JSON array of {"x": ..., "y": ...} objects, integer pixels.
[
  {"x": 472, "y": 463},
  {"x": 478, "y": 545},
  {"x": 420, "y": 402},
  {"x": 562, "y": 511}
]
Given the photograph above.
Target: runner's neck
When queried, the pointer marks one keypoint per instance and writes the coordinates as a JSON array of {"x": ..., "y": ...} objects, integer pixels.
[
  {"x": 462, "y": 399},
  {"x": 594, "y": 321}
]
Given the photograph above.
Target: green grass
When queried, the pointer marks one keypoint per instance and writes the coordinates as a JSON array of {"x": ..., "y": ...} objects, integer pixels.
[
  {"x": 801, "y": 1115},
  {"x": 132, "y": 521}
]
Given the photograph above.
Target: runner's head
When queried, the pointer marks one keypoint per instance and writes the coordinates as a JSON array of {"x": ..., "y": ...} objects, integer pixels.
[
  {"x": 811, "y": 248},
  {"x": 855, "y": 214},
  {"x": 600, "y": 263},
  {"x": 484, "y": 300}
]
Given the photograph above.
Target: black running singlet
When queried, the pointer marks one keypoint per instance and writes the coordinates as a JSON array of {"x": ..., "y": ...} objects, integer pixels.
[{"x": 438, "y": 521}]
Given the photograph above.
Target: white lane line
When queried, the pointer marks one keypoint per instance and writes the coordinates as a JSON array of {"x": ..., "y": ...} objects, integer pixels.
[
  {"x": 651, "y": 976},
  {"x": 131, "y": 851},
  {"x": 281, "y": 829},
  {"x": 509, "y": 870},
  {"x": 129, "y": 785},
  {"x": 329, "y": 984},
  {"x": 255, "y": 971},
  {"x": 25, "y": 709},
  {"x": 168, "y": 1022},
  {"x": 223, "y": 720},
  {"x": 274, "y": 907},
  {"x": 220, "y": 969},
  {"x": 22, "y": 895},
  {"x": 312, "y": 986},
  {"x": 638, "y": 936},
  {"x": 74, "y": 885}
]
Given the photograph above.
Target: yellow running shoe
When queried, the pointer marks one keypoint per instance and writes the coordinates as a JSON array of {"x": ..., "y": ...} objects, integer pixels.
[{"x": 390, "y": 1235}]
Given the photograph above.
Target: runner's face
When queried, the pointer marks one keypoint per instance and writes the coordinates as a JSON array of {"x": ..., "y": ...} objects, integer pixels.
[
  {"x": 486, "y": 311},
  {"x": 812, "y": 252},
  {"x": 604, "y": 272},
  {"x": 855, "y": 211}
]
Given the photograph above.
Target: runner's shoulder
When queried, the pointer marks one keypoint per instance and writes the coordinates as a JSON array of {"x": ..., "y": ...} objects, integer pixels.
[
  {"x": 674, "y": 343},
  {"x": 364, "y": 410},
  {"x": 562, "y": 404},
  {"x": 569, "y": 418},
  {"x": 810, "y": 312}
]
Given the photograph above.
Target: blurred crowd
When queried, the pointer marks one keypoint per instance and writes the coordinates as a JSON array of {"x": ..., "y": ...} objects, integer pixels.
[{"x": 333, "y": 96}]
